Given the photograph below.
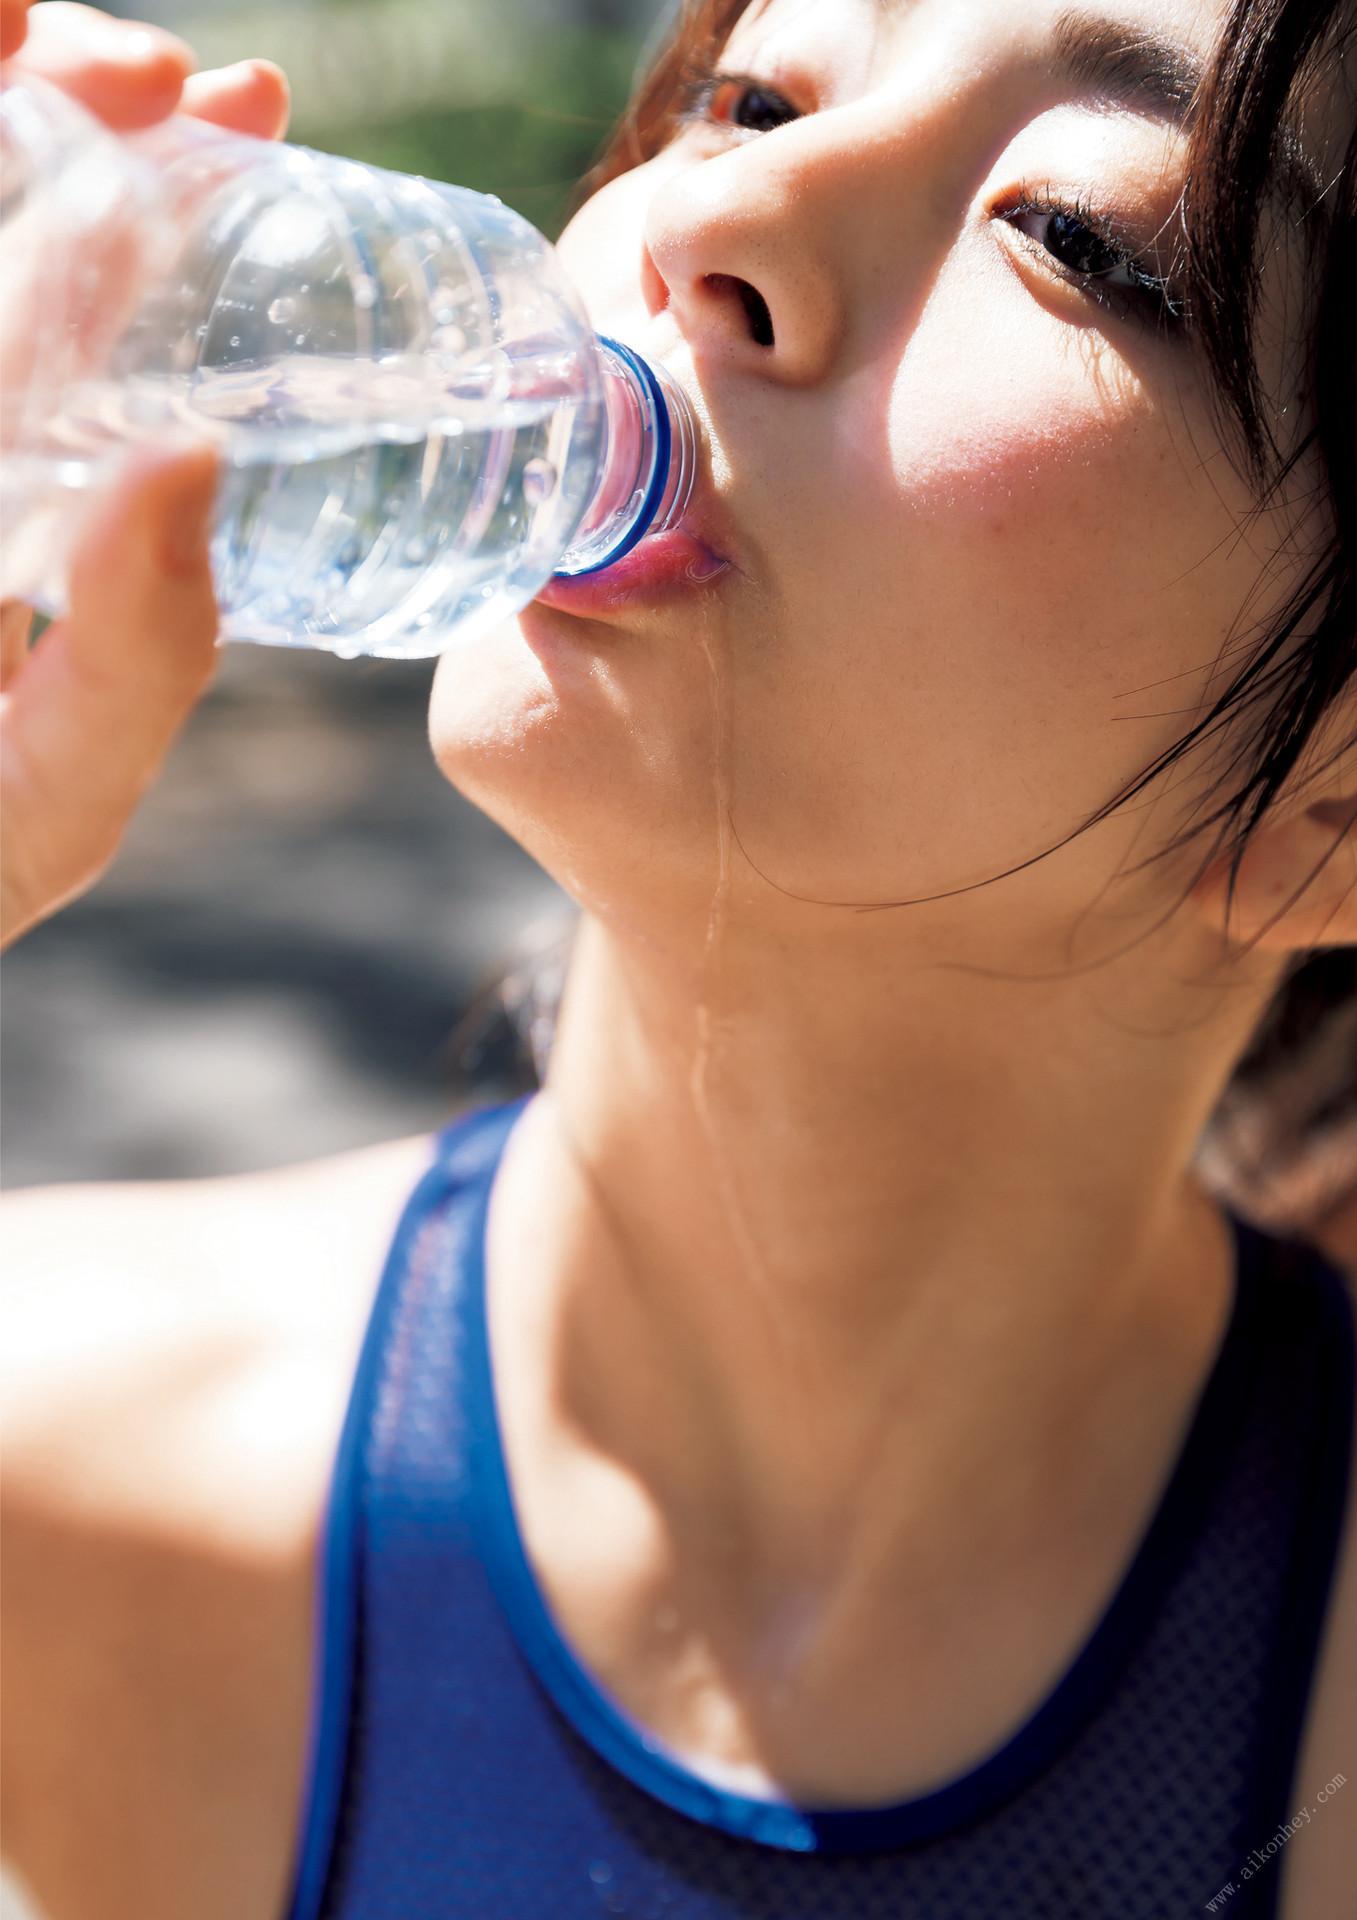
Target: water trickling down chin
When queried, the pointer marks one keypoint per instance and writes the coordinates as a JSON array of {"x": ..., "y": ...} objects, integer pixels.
[{"x": 716, "y": 1034}]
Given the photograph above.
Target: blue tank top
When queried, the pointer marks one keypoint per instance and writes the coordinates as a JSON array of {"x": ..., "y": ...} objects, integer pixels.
[{"x": 463, "y": 1763}]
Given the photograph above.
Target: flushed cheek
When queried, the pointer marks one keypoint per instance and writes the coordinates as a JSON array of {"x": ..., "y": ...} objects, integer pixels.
[
  {"x": 1005, "y": 582},
  {"x": 1070, "y": 496},
  {"x": 974, "y": 429},
  {"x": 1011, "y": 408}
]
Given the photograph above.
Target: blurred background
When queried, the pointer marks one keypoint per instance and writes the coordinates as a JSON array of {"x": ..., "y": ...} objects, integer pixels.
[
  {"x": 277, "y": 964},
  {"x": 281, "y": 962}
]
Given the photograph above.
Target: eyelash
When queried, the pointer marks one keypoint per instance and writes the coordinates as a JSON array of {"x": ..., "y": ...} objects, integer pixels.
[{"x": 1149, "y": 297}]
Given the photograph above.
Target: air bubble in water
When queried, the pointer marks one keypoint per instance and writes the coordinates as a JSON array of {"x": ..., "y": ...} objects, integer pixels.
[
  {"x": 449, "y": 339},
  {"x": 539, "y": 481},
  {"x": 417, "y": 550},
  {"x": 364, "y": 290},
  {"x": 300, "y": 340},
  {"x": 235, "y": 339},
  {"x": 282, "y": 309}
]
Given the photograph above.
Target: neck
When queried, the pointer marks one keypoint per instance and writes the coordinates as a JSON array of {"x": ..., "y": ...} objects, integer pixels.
[{"x": 811, "y": 1227}]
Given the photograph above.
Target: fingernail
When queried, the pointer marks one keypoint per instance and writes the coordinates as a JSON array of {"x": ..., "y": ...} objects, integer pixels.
[
  {"x": 132, "y": 44},
  {"x": 184, "y": 544},
  {"x": 138, "y": 46}
]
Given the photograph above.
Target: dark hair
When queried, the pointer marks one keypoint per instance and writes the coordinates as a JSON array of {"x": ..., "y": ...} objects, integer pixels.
[{"x": 1244, "y": 145}]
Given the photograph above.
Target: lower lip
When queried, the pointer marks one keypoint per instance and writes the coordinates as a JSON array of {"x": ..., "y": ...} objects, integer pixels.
[{"x": 657, "y": 568}]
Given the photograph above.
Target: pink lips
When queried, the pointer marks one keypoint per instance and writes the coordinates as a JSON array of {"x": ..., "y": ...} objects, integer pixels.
[{"x": 657, "y": 567}]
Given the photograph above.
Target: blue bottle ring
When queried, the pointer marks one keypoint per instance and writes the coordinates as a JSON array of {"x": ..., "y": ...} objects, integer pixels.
[{"x": 661, "y": 443}]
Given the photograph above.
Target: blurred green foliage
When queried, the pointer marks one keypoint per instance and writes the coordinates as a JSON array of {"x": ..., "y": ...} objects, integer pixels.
[
  {"x": 504, "y": 96},
  {"x": 532, "y": 149}
]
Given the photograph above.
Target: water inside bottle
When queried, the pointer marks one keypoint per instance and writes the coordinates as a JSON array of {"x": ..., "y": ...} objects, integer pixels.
[{"x": 365, "y": 506}]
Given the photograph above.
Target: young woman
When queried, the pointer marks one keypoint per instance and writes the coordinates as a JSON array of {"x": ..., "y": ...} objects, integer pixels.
[{"x": 828, "y": 1453}]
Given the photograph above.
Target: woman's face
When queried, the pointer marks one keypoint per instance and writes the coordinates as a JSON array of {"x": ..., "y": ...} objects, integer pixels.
[{"x": 989, "y": 546}]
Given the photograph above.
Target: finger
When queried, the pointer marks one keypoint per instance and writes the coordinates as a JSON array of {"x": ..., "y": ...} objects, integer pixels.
[
  {"x": 252, "y": 97},
  {"x": 129, "y": 74},
  {"x": 13, "y": 26},
  {"x": 100, "y": 701},
  {"x": 15, "y": 621}
]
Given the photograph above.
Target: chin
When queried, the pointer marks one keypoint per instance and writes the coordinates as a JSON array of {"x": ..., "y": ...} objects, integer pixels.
[
  {"x": 617, "y": 812},
  {"x": 501, "y": 736}
]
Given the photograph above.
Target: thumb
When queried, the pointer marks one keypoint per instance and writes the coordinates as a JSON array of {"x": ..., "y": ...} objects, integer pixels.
[{"x": 95, "y": 708}]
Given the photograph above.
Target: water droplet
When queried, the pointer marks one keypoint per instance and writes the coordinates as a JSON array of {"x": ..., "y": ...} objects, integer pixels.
[
  {"x": 600, "y": 1873},
  {"x": 282, "y": 309},
  {"x": 364, "y": 290},
  {"x": 426, "y": 619},
  {"x": 486, "y": 592},
  {"x": 539, "y": 481}
]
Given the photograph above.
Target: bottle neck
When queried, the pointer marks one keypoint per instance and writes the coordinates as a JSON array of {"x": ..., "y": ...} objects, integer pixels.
[{"x": 648, "y": 464}]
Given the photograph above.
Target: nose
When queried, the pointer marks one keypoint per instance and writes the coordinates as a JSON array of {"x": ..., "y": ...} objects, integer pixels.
[
  {"x": 738, "y": 247},
  {"x": 772, "y": 250}
]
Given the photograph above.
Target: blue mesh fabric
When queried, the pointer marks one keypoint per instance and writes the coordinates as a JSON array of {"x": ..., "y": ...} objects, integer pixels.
[{"x": 462, "y": 1765}]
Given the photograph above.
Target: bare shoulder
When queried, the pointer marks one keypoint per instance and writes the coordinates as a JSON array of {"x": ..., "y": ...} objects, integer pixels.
[
  {"x": 1318, "y": 1863},
  {"x": 177, "y": 1358},
  {"x": 178, "y": 1325}
]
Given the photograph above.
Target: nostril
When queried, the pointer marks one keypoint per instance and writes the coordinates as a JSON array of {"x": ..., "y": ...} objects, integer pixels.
[
  {"x": 754, "y": 304},
  {"x": 760, "y": 320}
]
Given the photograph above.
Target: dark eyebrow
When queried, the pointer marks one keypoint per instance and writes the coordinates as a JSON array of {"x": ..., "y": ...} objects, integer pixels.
[
  {"x": 1130, "y": 65},
  {"x": 1137, "y": 68}
]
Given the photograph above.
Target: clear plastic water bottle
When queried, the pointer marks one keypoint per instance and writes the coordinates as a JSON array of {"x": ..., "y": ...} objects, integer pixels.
[{"x": 418, "y": 425}]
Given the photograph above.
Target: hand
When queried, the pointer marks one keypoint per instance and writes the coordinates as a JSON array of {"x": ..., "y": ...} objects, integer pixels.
[{"x": 87, "y": 717}]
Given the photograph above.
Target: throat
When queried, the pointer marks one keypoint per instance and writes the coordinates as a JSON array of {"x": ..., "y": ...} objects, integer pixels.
[{"x": 835, "y": 1634}]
